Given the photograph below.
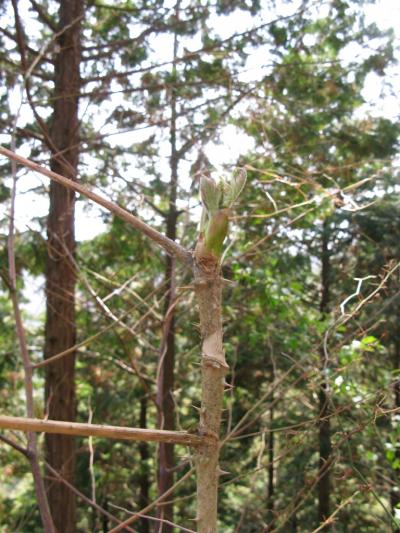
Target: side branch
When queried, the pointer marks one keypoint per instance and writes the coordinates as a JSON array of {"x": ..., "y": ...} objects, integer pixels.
[
  {"x": 170, "y": 246},
  {"x": 96, "y": 430}
]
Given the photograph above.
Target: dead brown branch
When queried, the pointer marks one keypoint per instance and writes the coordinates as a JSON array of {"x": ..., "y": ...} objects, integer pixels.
[
  {"x": 170, "y": 246},
  {"x": 95, "y": 430}
]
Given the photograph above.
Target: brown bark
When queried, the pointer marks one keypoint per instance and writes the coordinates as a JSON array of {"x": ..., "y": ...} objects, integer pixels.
[
  {"x": 395, "y": 492},
  {"x": 165, "y": 400},
  {"x": 325, "y": 446},
  {"x": 165, "y": 385},
  {"x": 208, "y": 290},
  {"x": 144, "y": 482},
  {"x": 60, "y": 330},
  {"x": 99, "y": 430},
  {"x": 271, "y": 454}
]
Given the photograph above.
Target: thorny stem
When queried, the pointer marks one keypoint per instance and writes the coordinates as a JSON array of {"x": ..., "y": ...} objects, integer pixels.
[{"x": 214, "y": 368}]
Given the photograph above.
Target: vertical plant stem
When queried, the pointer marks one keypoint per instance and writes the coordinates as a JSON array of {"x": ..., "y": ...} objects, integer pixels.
[{"x": 214, "y": 368}]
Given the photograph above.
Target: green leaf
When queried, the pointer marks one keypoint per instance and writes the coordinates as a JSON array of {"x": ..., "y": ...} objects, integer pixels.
[
  {"x": 369, "y": 340},
  {"x": 210, "y": 192},
  {"x": 234, "y": 187}
]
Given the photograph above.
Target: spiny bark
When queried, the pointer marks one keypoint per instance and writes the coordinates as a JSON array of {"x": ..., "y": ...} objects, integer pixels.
[
  {"x": 325, "y": 446},
  {"x": 60, "y": 329},
  {"x": 208, "y": 290}
]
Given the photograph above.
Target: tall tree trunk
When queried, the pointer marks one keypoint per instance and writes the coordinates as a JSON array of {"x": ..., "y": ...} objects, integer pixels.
[
  {"x": 395, "y": 492},
  {"x": 325, "y": 446},
  {"x": 165, "y": 400},
  {"x": 105, "y": 521},
  {"x": 270, "y": 473},
  {"x": 270, "y": 447},
  {"x": 271, "y": 453},
  {"x": 165, "y": 385},
  {"x": 60, "y": 330},
  {"x": 270, "y": 493}
]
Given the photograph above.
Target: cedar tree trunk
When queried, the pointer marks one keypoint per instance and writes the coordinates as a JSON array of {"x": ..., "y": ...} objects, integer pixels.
[
  {"x": 270, "y": 447},
  {"x": 395, "y": 492},
  {"x": 60, "y": 330},
  {"x": 325, "y": 447},
  {"x": 165, "y": 385}
]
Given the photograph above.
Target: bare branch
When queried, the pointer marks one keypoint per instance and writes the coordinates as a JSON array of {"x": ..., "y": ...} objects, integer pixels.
[
  {"x": 17, "y": 447},
  {"x": 96, "y": 430},
  {"x": 170, "y": 246},
  {"x": 44, "y": 17},
  {"x": 330, "y": 520},
  {"x": 85, "y": 498},
  {"x": 60, "y": 478},
  {"x": 139, "y": 514},
  {"x": 32, "y": 454},
  {"x": 90, "y": 339},
  {"x": 155, "y": 519}
]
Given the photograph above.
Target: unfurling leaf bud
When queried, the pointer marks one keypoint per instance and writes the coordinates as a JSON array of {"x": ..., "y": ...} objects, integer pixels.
[
  {"x": 235, "y": 186},
  {"x": 216, "y": 231},
  {"x": 210, "y": 193},
  {"x": 217, "y": 198}
]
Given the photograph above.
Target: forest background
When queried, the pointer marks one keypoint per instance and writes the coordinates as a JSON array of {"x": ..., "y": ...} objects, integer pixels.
[{"x": 137, "y": 100}]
